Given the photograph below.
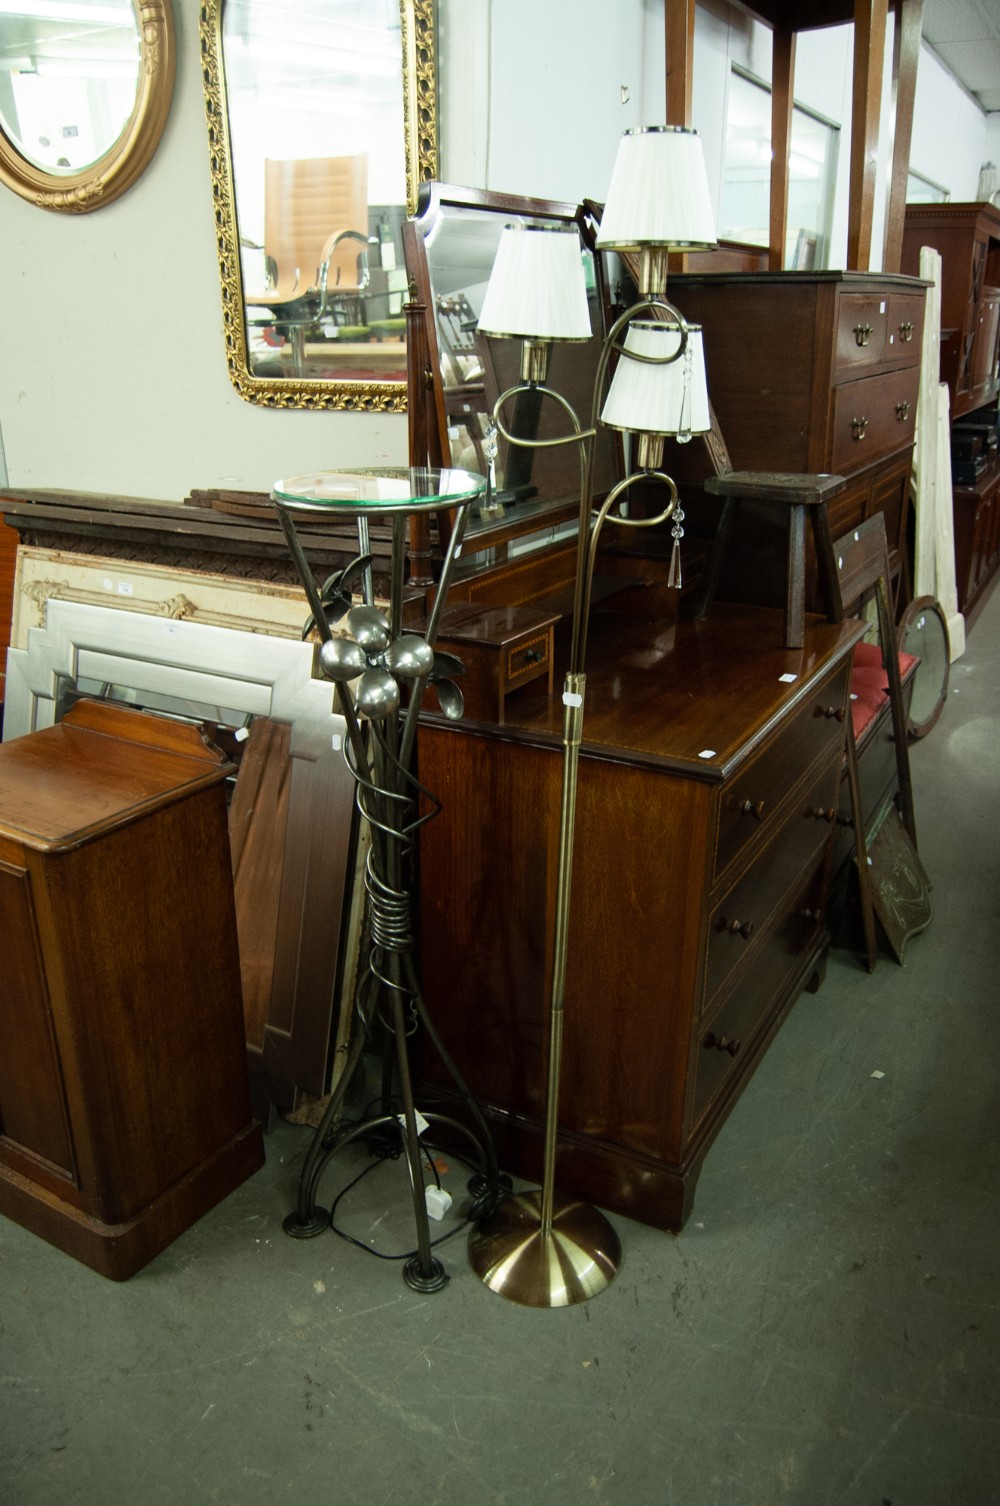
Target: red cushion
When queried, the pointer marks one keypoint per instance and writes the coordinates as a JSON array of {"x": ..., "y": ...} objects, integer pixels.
[{"x": 870, "y": 684}]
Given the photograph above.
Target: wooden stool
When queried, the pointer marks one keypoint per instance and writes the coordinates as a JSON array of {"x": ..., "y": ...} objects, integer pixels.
[{"x": 799, "y": 495}]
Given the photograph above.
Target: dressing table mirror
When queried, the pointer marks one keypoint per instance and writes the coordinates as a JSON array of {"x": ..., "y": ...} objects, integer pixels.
[
  {"x": 85, "y": 90},
  {"x": 450, "y": 247},
  {"x": 321, "y": 125}
]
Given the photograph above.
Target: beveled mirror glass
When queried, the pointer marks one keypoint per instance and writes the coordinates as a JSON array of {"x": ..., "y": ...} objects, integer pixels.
[
  {"x": 322, "y": 123},
  {"x": 85, "y": 90}
]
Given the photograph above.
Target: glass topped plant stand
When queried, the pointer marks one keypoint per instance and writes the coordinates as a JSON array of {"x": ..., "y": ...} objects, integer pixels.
[{"x": 380, "y": 674}]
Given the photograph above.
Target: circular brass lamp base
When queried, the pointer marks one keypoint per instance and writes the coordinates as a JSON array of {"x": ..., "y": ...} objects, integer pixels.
[{"x": 578, "y": 1258}]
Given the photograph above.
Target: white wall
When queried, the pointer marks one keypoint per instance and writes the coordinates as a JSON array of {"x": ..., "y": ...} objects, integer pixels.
[
  {"x": 112, "y": 367},
  {"x": 112, "y": 372}
]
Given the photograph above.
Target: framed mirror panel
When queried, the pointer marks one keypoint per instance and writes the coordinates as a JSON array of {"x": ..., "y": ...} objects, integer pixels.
[
  {"x": 85, "y": 90},
  {"x": 450, "y": 247},
  {"x": 322, "y": 123}
]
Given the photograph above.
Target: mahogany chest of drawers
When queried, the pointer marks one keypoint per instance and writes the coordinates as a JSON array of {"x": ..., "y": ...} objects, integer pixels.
[
  {"x": 708, "y": 780},
  {"x": 814, "y": 372}
]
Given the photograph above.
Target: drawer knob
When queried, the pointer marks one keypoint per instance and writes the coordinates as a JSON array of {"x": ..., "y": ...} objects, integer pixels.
[
  {"x": 832, "y": 713},
  {"x": 754, "y": 808},
  {"x": 816, "y": 915},
  {"x": 713, "y": 1042},
  {"x": 859, "y": 427},
  {"x": 862, "y": 333},
  {"x": 533, "y": 656},
  {"x": 828, "y": 814},
  {"x": 744, "y": 928},
  {"x": 906, "y": 332}
]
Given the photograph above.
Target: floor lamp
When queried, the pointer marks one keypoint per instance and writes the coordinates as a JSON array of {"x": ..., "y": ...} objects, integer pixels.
[{"x": 536, "y": 1249}]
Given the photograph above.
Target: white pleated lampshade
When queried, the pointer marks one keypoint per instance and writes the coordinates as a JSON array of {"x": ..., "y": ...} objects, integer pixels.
[
  {"x": 658, "y": 194},
  {"x": 537, "y": 290},
  {"x": 670, "y": 397}
]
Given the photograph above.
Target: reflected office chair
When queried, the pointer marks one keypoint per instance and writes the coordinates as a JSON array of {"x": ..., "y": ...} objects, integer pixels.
[{"x": 315, "y": 246}]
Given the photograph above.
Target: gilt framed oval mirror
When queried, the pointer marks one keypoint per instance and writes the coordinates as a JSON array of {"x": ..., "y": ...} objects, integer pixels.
[
  {"x": 85, "y": 90},
  {"x": 322, "y": 124}
]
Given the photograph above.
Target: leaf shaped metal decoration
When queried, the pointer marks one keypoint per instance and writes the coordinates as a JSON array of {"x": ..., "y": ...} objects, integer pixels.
[
  {"x": 450, "y": 699},
  {"x": 337, "y": 592}
]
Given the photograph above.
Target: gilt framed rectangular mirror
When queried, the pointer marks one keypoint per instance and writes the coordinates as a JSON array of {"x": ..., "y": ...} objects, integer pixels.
[{"x": 321, "y": 123}]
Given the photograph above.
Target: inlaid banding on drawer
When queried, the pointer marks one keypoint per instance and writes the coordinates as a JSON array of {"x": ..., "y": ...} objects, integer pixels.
[
  {"x": 749, "y": 804},
  {"x": 739, "y": 921},
  {"x": 726, "y": 1041}
]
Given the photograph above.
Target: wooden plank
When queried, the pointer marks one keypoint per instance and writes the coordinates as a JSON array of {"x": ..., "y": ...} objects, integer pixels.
[
  {"x": 258, "y": 815},
  {"x": 905, "y": 57},
  {"x": 782, "y": 104},
  {"x": 869, "y": 52}
]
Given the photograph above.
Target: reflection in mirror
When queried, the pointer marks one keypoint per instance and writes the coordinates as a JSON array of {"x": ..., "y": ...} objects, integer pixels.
[
  {"x": 85, "y": 88},
  {"x": 450, "y": 250},
  {"x": 67, "y": 79},
  {"x": 314, "y": 116}
]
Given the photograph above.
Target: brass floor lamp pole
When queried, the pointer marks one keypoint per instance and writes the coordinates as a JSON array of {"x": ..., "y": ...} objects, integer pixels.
[{"x": 536, "y": 1249}]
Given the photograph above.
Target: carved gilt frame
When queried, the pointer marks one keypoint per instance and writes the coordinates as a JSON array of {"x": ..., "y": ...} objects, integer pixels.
[
  {"x": 420, "y": 145},
  {"x": 107, "y": 179}
]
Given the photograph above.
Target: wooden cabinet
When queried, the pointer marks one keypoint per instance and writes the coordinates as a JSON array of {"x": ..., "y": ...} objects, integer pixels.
[
  {"x": 812, "y": 372},
  {"x": 124, "y": 1100},
  {"x": 710, "y": 766},
  {"x": 967, "y": 238}
]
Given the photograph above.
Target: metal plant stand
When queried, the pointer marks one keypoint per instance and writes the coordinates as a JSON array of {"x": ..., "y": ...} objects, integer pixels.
[{"x": 368, "y": 664}]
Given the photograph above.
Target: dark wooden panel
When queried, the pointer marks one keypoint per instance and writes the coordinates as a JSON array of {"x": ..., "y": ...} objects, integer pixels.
[{"x": 32, "y": 1101}]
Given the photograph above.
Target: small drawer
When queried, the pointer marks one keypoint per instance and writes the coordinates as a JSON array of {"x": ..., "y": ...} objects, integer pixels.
[
  {"x": 873, "y": 417},
  {"x": 747, "y": 805},
  {"x": 739, "y": 922},
  {"x": 904, "y": 329},
  {"x": 862, "y": 332},
  {"x": 529, "y": 658},
  {"x": 725, "y": 1041}
]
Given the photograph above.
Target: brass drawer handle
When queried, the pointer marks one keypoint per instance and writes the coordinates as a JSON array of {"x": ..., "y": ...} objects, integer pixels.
[
  {"x": 744, "y": 928},
  {"x": 902, "y": 412},
  {"x": 832, "y": 713},
  {"x": 862, "y": 333},
  {"x": 713, "y": 1042},
  {"x": 858, "y": 427},
  {"x": 906, "y": 332}
]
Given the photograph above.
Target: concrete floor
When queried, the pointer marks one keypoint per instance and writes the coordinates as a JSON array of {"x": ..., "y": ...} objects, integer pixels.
[{"x": 825, "y": 1332}]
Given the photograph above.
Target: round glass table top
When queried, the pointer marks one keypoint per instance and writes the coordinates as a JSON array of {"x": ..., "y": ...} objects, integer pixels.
[{"x": 389, "y": 489}]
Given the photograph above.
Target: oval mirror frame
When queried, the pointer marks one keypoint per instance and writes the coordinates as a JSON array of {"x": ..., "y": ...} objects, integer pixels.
[
  {"x": 923, "y": 631},
  {"x": 107, "y": 179},
  {"x": 419, "y": 85}
]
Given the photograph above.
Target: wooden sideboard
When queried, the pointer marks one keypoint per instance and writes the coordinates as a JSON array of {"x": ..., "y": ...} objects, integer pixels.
[
  {"x": 709, "y": 771},
  {"x": 124, "y": 1097},
  {"x": 810, "y": 372}
]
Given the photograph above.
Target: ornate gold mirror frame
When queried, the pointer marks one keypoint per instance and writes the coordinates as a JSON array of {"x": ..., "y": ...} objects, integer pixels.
[
  {"x": 106, "y": 179},
  {"x": 420, "y": 144}
]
